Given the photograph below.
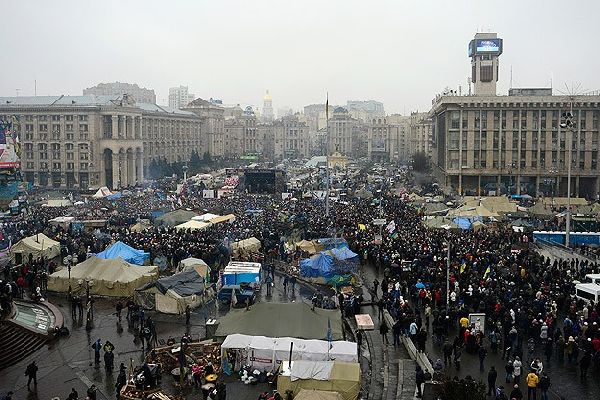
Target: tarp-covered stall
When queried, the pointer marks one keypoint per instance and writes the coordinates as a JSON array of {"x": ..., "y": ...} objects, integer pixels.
[
  {"x": 126, "y": 252},
  {"x": 175, "y": 217},
  {"x": 38, "y": 245},
  {"x": 281, "y": 320},
  {"x": 267, "y": 353},
  {"x": 310, "y": 246},
  {"x": 329, "y": 376},
  {"x": 173, "y": 293},
  {"x": 113, "y": 277},
  {"x": 246, "y": 246},
  {"x": 326, "y": 264}
]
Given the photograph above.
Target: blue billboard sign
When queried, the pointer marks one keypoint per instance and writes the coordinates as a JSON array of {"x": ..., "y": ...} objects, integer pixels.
[{"x": 488, "y": 46}]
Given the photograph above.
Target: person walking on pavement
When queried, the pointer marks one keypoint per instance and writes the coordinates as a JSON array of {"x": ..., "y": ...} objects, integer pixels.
[
  {"x": 383, "y": 330},
  {"x": 293, "y": 283},
  {"x": 359, "y": 340},
  {"x": 491, "y": 378},
  {"x": 509, "y": 369},
  {"x": 419, "y": 380},
  {"x": 31, "y": 373},
  {"x": 544, "y": 386},
  {"x": 517, "y": 365},
  {"x": 482, "y": 354},
  {"x": 121, "y": 379},
  {"x": 375, "y": 287},
  {"x": 532, "y": 383},
  {"x": 187, "y": 314},
  {"x": 396, "y": 331},
  {"x": 447, "y": 349},
  {"x": 97, "y": 346},
  {"x": 118, "y": 309}
]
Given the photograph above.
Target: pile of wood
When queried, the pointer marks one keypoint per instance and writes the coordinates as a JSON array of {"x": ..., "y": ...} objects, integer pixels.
[
  {"x": 130, "y": 392},
  {"x": 200, "y": 353}
]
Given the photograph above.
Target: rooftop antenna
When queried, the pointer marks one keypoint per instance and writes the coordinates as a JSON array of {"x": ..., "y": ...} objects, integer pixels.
[
  {"x": 511, "y": 82},
  {"x": 17, "y": 90},
  {"x": 35, "y": 87}
]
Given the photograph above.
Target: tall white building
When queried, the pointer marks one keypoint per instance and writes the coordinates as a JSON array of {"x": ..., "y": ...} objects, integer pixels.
[
  {"x": 179, "y": 97},
  {"x": 267, "y": 112}
]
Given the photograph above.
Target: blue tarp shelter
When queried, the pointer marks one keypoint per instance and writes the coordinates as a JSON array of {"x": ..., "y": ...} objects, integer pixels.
[
  {"x": 114, "y": 196},
  {"x": 127, "y": 253},
  {"x": 333, "y": 243},
  {"x": 463, "y": 223},
  {"x": 328, "y": 263}
]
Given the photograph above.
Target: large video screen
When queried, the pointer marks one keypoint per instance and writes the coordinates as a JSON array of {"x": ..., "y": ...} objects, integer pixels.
[{"x": 489, "y": 46}]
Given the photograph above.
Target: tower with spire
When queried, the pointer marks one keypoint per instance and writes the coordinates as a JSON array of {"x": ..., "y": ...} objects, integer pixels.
[{"x": 267, "y": 113}]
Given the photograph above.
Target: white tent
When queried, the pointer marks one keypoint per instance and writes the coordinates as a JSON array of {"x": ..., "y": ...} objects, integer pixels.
[
  {"x": 108, "y": 277},
  {"x": 204, "y": 217},
  {"x": 265, "y": 353},
  {"x": 38, "y": 245},
  {"x": 194, "y": 263},
  {"x": 58, "y": 203},
  {"x": 102, "y": 193},
  {"x": 193, "y": 225}
]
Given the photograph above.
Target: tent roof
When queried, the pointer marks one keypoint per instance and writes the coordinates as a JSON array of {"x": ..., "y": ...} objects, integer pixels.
[
  {"x": 195, "y": 264},
  {"x": 126, "y": 252},
  {"x": 563, "y": 201},
  {"x": 112, "y": 270},
  {"x": 102, "y": 192},
  {"x": 193, "y": 225},
  {"x": 204, "y": 217},
  {"x": 176, "y": 217},
  {"x": 496, "y": 204},
  {"x": 472, "y": 211},
  {"x": 223, "y": 218},
  {"x": 281, "y": 320},
  {"x": 39, "y": 242},
  {"x": 185, "y": 283}
]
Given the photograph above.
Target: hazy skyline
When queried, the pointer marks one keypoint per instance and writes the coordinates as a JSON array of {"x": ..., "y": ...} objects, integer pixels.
[{"x": 398, "y": 52}]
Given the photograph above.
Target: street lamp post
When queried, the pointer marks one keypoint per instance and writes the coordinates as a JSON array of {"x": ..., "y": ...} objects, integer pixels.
[{"x": 568, "y": 124}]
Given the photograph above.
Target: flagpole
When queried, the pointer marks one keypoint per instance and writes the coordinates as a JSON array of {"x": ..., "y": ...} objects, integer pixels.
[{"x": 327, "y": 154}]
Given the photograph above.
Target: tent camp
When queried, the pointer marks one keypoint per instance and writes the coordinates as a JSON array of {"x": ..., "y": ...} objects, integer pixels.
[
  {"x": 173, "y": 293},
  {"x": 267, "y": 353},
  {"x": 281, "y": 320},
  {"x": 439, "y": 223},
  {"x": 175, "y": 217},
  {"x": 196, "y": 264},
  {"x": 472, "y": 211},
  {"x": 204, "y": 217},
  {"x": 63, "y": 222},
  {"x": 38, "y": 245},
  {"x": 126, "y": 252},
  {"x": 246, "y": 246},
  {"x": 310, "y": 394},
  {"x": 193, "y": 225},
  {"x": 113, "y": 277},
  {"x": 102, "y": 193},
  {"x": 310, "y": 246},
  {"x": 329, "y": 376}
]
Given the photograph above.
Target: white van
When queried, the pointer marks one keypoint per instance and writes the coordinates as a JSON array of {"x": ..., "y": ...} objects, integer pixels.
[
  {"x": 588, "y": 291},
  {"x": 593, "y": 278}
]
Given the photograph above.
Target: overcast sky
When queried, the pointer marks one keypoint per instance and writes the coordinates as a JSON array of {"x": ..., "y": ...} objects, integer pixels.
[{"x": 399, "y": 52}]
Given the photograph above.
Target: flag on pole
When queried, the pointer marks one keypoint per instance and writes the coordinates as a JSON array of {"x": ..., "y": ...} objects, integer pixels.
[
  {"x": 327, "y": 107},
  {"x": 391, "y": 227},
  {"x": 462, "y": 267},
  {"x": 487, "y": 272}
]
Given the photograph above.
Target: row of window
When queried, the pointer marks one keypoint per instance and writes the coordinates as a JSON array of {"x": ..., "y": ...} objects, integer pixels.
[
  {"x": 56, "y": 166},
  {"x": 480, "y": 119}
]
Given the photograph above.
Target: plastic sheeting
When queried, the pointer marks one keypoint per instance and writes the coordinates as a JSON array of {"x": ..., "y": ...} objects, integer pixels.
[
  {"x": 126, "y": 252},
  {"x": 327, "y": 264}
]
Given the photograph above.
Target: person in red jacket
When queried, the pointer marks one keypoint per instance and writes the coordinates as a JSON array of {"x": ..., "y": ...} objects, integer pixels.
[{"x": 596, "y": 344}]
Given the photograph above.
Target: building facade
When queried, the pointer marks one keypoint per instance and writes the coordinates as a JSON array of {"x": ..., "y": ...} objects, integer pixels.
[
  {"x": 516, "y": 143},
  {"x": 141, "y": 95},
  {"x": 213, "y": 125},
  {"x": 291, "y": 138},
  {"x": 365, "y": 110},
  {"x": 179, "y": 97},
  {"x": 267, "y": 111},
  {"x": 420, "y": 138},
  {"x": 343, "y": 132},
  {"x": 92, "y": 141}
]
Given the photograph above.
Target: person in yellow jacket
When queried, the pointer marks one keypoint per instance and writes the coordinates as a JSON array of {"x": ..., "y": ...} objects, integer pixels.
[{"x": 532, "y": 383}]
